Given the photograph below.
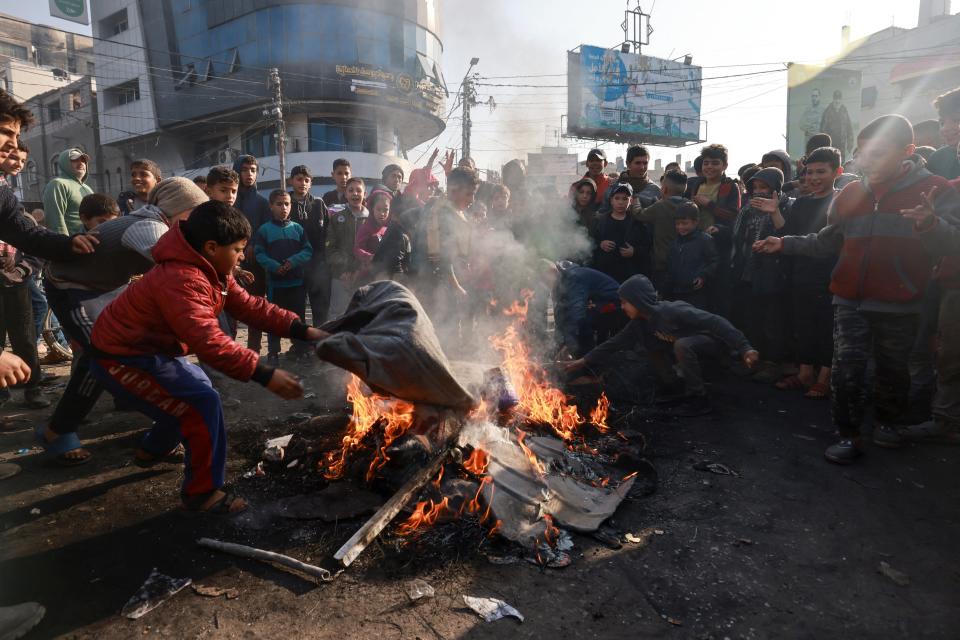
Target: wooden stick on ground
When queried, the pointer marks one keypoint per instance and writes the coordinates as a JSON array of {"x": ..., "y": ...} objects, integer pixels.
[
  {"x": 266, "y": 556},
  {"x": 372, "y": 527}
]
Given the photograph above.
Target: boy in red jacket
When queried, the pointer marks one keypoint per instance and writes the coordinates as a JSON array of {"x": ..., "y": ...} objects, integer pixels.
[
  {"x": 882, "y": 271},
  {"x": 143, "y": 336}
]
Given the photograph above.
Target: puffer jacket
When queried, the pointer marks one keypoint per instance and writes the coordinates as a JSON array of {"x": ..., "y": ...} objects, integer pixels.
[
  {"x": 883, "y": 264},
  {"x": 173, "y": 311}
]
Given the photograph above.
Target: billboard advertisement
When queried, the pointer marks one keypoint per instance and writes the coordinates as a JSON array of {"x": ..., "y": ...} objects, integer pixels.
[
  {"x": 822, "y": 100},
  {"x": 628, "y": 97}
]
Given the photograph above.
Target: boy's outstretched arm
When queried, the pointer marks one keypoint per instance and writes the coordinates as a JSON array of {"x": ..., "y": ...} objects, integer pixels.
[
  {"x": 826, "y": 242},
  {"x": 260, "y": 314}
]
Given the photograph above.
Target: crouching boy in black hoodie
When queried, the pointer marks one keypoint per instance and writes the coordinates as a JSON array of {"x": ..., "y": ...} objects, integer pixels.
[{"x": 692, "y": 334}]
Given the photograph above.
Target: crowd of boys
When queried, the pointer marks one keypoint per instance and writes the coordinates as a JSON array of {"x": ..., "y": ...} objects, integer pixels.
[{"x": 794, "y": 281}]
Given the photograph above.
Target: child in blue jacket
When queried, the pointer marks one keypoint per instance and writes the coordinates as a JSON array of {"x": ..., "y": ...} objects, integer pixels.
[{"x": 282, "y": 249}]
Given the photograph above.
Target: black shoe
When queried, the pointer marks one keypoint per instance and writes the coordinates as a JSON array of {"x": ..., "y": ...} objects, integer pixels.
[
  {"x": 844, "y": 452},
  {"x": 273, "y": 360},
  {"x": 691, "y": 407},
  {"x": 888, "y": 437},
  {"x": 33, "y": 399}
]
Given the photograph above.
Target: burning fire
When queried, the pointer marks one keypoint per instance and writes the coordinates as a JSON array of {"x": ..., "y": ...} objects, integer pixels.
[
  {"x": 395, "y": 415},
  {"x": 539, "y": 400},
  {"x": 534, "y": 461},
  {"x": 477, "y": 462},
  {"x": 426, "y": 514},
  {"x": 599, "y": 414}
]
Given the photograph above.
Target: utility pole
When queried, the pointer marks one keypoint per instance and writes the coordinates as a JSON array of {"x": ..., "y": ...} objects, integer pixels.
[
  {"x": 469, "y": 100},
  {"x": 277, "y": 113}
]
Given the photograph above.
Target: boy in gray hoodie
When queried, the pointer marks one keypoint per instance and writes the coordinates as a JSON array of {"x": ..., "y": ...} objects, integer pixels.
[{"x": 63, "y": 194}]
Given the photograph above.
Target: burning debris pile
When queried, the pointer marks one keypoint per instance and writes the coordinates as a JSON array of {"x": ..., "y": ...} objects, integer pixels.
[{"x": 522, "y": 463}]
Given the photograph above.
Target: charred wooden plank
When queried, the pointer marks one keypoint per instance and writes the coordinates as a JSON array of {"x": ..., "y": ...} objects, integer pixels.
[{"x": 366, "y": 534}]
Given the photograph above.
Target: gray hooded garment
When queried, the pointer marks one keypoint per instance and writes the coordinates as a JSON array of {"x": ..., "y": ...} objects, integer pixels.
[
  {"x": 386, "y": 339},
  {"x": 666, "y": 322}
]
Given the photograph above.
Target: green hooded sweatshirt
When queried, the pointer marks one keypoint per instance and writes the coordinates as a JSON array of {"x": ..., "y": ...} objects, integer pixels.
[{"x": 62, "y": 196}]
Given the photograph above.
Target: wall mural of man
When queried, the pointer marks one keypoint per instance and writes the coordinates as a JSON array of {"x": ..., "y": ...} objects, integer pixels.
[
  {"x": 812, "y": 115},
  {"x": 836, "y": 123}
]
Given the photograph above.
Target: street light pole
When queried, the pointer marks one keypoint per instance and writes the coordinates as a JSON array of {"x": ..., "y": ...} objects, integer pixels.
[
  {"x": 274, "y": 84},
  {"x": 469, "y": 100}
]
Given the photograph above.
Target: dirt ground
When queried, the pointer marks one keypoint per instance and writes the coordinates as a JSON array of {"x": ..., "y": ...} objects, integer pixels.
[{"x": 789, "y": 547}]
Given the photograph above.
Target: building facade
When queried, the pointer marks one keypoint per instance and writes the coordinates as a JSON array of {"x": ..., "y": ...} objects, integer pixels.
[
  {"x": 895, "y": 70},
  {"x": 36, "y": 45},
  {"x": 184, "y": 82},
  {"x": 67, "y": 117},
  {"x": 903, "y": 70}
]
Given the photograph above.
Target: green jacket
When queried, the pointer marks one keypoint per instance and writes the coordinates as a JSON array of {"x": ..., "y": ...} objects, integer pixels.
[
  {"x": 62, "y": 196},
  {"x": 341, "y": 236}
]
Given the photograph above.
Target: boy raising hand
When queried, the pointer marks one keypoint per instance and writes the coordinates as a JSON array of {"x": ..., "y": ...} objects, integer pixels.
[{"x": 143, "y": 336}]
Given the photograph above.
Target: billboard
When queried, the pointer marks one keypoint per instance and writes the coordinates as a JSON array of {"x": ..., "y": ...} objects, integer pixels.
[
  {"x": 628, "y": 97},
  {"x": 822, "y": 100}
]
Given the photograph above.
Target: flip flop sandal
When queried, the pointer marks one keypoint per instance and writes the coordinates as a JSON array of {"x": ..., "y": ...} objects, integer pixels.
[
  {"x": 192, "y": 505},
  {"x": 174, "y": 456},
  {"x": 8, "y": 470},
  {"x": 64, "y": 443},
  {"x": 818, "y": 391}
]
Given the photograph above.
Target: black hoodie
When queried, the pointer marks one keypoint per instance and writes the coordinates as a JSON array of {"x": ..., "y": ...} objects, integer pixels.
[
  {"x": 666, "y": 321},
  {"x": 251, "y": 204}
]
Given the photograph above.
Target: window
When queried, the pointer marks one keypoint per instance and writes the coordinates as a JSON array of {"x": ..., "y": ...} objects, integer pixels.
[
  {"x": 868, "y": 97},
  {"x": 91, "y": 68},
  {"x": 342, "y": 134},
  {"x": 122, "y": 94},
  {"x": 114, "y": 24},
  {"x": 13, "y": 51},
  {"x": 53, "y": 111},
  {"x": 76, "y": 101},
  {"x": 261, "y": 142},
  {"x": 71, "y": 64}
]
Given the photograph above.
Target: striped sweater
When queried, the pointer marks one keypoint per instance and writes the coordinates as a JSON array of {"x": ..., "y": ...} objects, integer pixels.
[
  {"x": 123, "y": 251},
  {"x": 276, "y": 242}
]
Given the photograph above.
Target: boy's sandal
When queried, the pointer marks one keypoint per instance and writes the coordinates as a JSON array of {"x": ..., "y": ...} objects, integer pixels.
[
  {"x": 64, "y": 443},
  {"x": 193, "y": 505},
  {"x": 8, "y": 470},
  {"x": 149, "y": 460},
  {"x": 818, "y": 391},
  {"x": 790, "y": 383}
]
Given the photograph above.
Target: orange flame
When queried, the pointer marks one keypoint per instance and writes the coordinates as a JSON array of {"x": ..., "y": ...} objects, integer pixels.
[
  {"x": 395, "y": 415},
  {"x": 551, "y": 534},
  {"x": 425, "y": 514},
  {"x": 534, "y": 461},
  {"x": 495, "y": 529},
  {"x": 520, "y": 309},
  {"x": 539, "y": 401},
  {"x": 599, "y": 414},
  {"x": 477, "y": 462}
]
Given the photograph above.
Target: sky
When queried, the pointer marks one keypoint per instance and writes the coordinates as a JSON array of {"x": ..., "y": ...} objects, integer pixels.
[{"x": 521, "y": 37}]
